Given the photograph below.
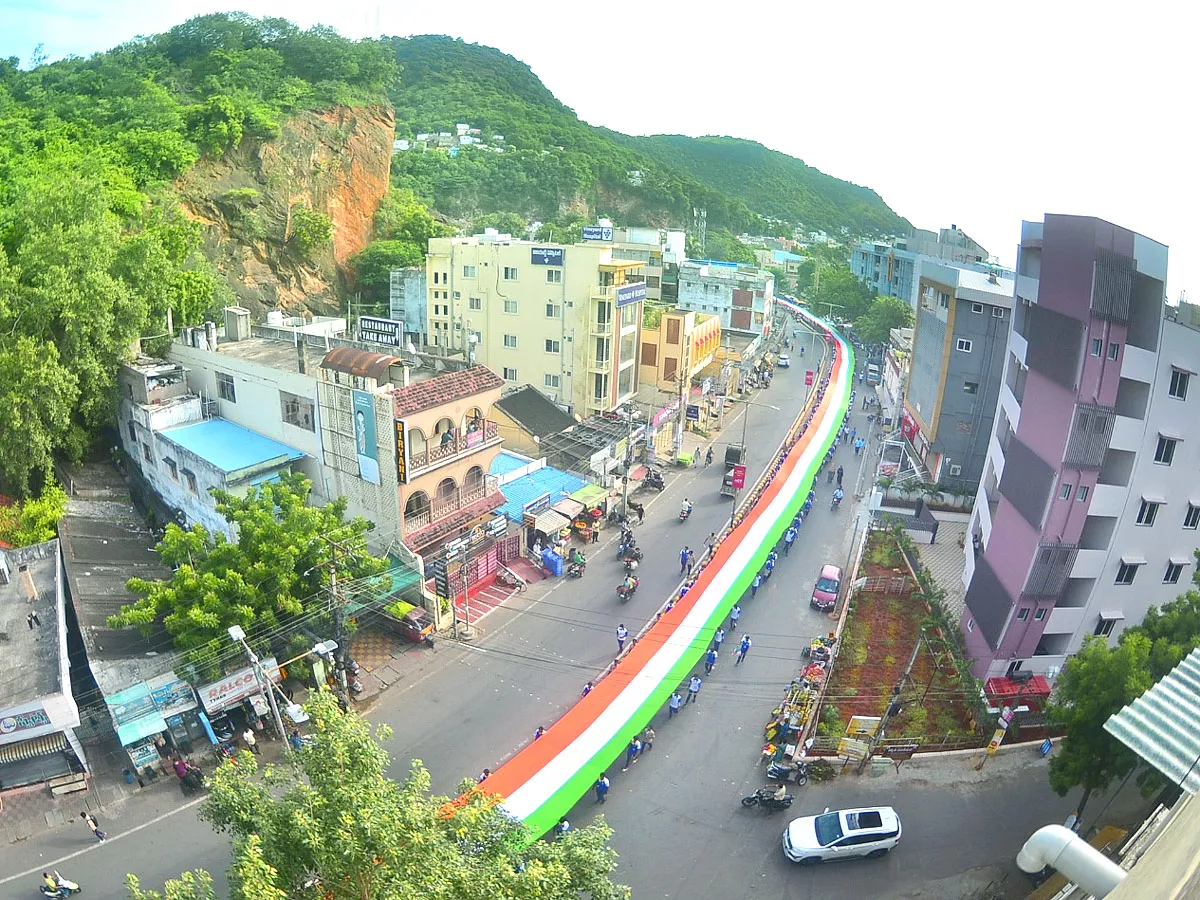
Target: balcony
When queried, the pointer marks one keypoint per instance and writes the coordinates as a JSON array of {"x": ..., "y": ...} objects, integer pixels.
[
  {"x": 463, "y": 444},
  {"x": 1108, "y": 500},
  {"x": 1089, "y": 563},
  {"x": 1027, "y": 287},
  {"x": 1138, "y": 364},
  {"x": 1127, "y": 434},
  {"x": 449, "y": 503},
  {"x": 602, "y": 327}
]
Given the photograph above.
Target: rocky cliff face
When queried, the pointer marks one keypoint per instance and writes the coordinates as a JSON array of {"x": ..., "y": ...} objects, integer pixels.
[{"x": 335, "y": 162}]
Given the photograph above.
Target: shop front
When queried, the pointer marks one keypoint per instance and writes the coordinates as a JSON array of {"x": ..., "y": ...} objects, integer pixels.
[
  {"x": 34, "y": 747},
  {"x": 477, "y": 556},
  {"x": 236, "y": 701}
]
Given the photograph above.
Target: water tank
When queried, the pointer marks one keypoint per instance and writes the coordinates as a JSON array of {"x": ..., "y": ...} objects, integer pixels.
[{"x": 275, "y": 317}]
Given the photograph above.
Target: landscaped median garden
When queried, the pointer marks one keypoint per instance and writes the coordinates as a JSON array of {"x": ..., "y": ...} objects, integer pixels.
[{"x": 894, "y": 610}]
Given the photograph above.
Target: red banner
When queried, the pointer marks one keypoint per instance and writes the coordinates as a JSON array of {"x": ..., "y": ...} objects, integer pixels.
[
  {"x": 808, "y": 378},
  {"x": 739, "y": 477}
]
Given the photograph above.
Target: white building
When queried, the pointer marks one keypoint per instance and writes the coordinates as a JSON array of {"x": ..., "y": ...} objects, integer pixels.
[{"x": 743, "y": 296}]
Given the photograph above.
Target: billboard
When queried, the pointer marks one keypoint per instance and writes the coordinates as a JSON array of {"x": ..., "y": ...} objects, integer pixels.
[
  {"x": 365, "y": 446},
  {"x": 546, "y": 256},
  {"x": 380, "y": 331},
  {"x": 631, "y": 293},
  {"x": 597, "y": 232},
  {"x": 401, "y": 451}
]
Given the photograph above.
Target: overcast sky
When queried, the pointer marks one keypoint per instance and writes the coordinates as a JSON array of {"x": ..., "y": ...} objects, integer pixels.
[{"x": 972, "y": 113}]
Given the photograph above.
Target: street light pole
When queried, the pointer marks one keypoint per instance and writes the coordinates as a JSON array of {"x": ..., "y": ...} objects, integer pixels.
[
  {"x": 239, "y": 637},
  {"x": 745, "y": 451}
]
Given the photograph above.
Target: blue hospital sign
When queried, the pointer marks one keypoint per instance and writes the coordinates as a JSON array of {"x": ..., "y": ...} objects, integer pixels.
[{"x": 546, "y": 256}]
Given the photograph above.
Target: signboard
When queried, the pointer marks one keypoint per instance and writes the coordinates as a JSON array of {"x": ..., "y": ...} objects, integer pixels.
[
  {"x": 693, "y": 412},
  {"x": 994, "y": 743},
  {"x": 631, "y": 293},
  {"x": 130, "y": 704},
  {"x": 901, "y": 752},
  {"x": 536, "y": 505},
  {"x": 808, "y": 378},
  {"x": 474, "y": 438},
  {"x": 498, "y": 526},
  {"x": 365, "y": 445},
  {"x": 380, "y": 331},
  {"x": 26, "y": 721},
  {"x": 143, "y": 755},
  {"x": 597, "y": 232},
  {"x": 546, "y": 256},
  {"x": 706, "y": 386},
  {"x": 455, "y": 547},
  {"x": 852, "y": 749},
  {"x": 171, "y": 694},
  {"x": 401, "y": 451},
  {"x": 739, "y": 477},
  {"x": 862, "y": 725},
  {"x": 441, "y": 577},
  {"x": 665, "y": 413},
  {"x": 236, "y": 687},
  {"x": 1006, "y": 717}
]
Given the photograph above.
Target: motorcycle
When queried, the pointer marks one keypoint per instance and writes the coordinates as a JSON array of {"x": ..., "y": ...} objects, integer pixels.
[
  {"x": 631, "y": 564},
  {"x": 576, "y": 570},
  {"x": 835, "y": 503},
  {"x": 65, "y": 888},
  {"x": 654, "y": 481},
  {"x": 685, "y": 514},
  {"x": 625, "y": 591},
  {"x": 797, "y": 773},
  {"x": 765, "y": 799},
  {"x": 192, "y": 782}
]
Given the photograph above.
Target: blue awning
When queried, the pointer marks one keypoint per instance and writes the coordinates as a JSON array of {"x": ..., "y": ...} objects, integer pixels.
[{"x": 140, "y": 729}]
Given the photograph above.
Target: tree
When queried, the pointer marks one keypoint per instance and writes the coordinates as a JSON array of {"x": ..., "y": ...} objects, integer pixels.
[
  {"x": 1173, "y": 631},
  {"x": 836, "y": 285},
  {"x": 374, "y": 264},
  {"x": 1094, "y": 684},
  {"x": 402, "y": 217},
  {"x": 37, "y": 394},
  {"x": 35, "y": 520},
  {"x": 310, "y": 229},
  {"x": 336, "y": 821},
  {"x": 270, "y": 574},
  {"x": 885, "y": 313},
  {"x": 885, "y": 483}
]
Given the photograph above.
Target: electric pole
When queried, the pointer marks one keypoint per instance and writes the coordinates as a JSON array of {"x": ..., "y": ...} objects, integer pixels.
[{"x": 887, "y": 713}]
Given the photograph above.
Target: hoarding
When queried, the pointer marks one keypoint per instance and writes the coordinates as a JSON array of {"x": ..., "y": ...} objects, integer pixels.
[
  {"x": 597, "y": 232},
  {"x": 401, "y": 451},
  {"x": 739, "y": 477},
  {"x": 365, "y": 446},
  {"x": 546, "y": 256},
  {"x": 380, "y": 331},
  {"x": 631, "y": 293}
]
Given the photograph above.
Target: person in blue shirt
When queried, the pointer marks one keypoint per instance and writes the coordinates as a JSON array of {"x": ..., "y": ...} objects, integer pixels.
[
  {"x": 710, "y": 660},
  {"x": 743, "y": 649},
  {"x": 788, "y": 539},
  {"x": 755, "y": 584}
]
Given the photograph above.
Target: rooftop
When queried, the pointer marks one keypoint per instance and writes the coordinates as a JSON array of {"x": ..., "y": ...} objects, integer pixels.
[
  {"x": 506, "y": 461},
  {"x": 444, "y": 389},
  {"x": 555, "y": 482},
  {"x": 534, "y": 411},
  {"x": 363, "y": 363},
  {"x": 282, "y": 355},
  {"x": 32, "y": 655},
  {"x": 979, "y": 286},
  {"x": 228, "y": 446},
  {"x": 152, "y": 366}
]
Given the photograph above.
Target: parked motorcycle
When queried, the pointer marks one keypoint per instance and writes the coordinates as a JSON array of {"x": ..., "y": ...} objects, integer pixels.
[
  {"x": 654, "y": 481},
  {"x": 764, "y": 798},
  {"x": 192, "y": 782},
  {"x": 781, "y": 772},
  {"x": 627, "y": 590},
  {"x": 65, "y": 888},
  {"x": 576, "y": 570}
]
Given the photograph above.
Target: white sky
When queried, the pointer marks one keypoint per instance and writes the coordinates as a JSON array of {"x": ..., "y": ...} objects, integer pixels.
[{"x": 973, "y": 113}]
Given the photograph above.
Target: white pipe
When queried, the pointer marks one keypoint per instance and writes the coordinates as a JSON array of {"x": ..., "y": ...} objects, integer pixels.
[{"x": 1064, "y": 850}]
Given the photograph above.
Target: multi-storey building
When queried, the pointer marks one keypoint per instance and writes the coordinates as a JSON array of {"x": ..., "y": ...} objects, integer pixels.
[
  {"x": 897, "y": 361},
  {"x": 892, "y": 268},
  {"x": 958, "y": 348},
  {"x": 407, "y": 296},
  {"x": 1088, "y": 503},
  {"x": 563, "y": 318},
  {"x": 742, "y": 297},
  {"x": 661, "y": 251},
  {"x": 677, "y": 345}
]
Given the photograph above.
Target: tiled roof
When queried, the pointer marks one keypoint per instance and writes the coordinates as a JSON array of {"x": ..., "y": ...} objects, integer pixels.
[
  {"x": 534, "y": 411},
  {"x": 555, "y": 482},
  {"x": 444, "y": 389},
  {"x": 443, "y": 528}
]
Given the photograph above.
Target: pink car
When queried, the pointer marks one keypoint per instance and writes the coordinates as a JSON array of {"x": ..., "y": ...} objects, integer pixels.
[{"x": 825, "y": 594}]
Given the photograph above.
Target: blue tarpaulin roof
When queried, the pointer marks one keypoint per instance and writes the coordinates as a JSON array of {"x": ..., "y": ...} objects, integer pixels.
[
  {"x": 228, "y": 446},
  {"x": 555, "y": 482},
  {"x": 784, "y": 256},
  {"x": 506, "y": 462}
]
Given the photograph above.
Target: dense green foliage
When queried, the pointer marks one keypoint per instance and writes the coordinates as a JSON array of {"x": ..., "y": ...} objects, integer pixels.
[
  {"x": 335, "y": 821},
  {"x": 885, "y": 313},
  {"x": 272, "y": 574},
  {"x": 94, "y": 248},
  {"x": 556, "y": 161},
  {"x": 720, "y": 243},
  {"x": 36, "y": 519},
  {"x": 403, "y": 227},
  {"x": 773, "y": 184}
]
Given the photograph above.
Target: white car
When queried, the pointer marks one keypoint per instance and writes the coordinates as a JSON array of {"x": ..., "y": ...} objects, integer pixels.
[
  {"x": 842, "y": 834},
  {"x": 785, "y": 362}
]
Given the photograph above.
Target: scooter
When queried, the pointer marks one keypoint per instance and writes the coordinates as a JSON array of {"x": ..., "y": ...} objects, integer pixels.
[
  {"x": 780, "y": 772},
  {"x": 631, "y": 565},
  {"x": 576, "y": 570},
  {"x": 685, "y": 514},
  {"x": 625, "y": 591},
  {"x": 764, "y": 798},
  {"x": 632, "y": 552},
  {"x": 66, "y": 888}
]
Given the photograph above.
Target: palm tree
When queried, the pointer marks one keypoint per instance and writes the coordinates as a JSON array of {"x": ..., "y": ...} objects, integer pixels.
[
  {"x": 885, "y": 483},
  {"x": 931, "y": 492}
]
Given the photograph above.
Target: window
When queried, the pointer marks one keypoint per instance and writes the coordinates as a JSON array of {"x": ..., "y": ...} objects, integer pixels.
[
  {"x": 475, "y": 303},
  {"x": 190, "y": 478},
  {"x": 1039, "y": 615},
  {"x": 1165, "y": 451},
  {"x": 468, "y": 271},
  {"x": 1082, "y": 493},
  {"x": 510, "y": 342},
  {"x": 225, "y": 388},
  {"x": 971, "y": 387},
  {"x": 511, "y": 307},
  {"x": 997, "y": 312},
  {"x": 149, "y": 457},
  {"x": 551, "y": 381},
  {"x": 297, "y": 411},
  {"x": 1023, "y": 614},
  {"x": 1114, "y": 350},
  {"x": 553, "y": 311},
  {"x": 510, "y": 273},
  {"x": 1148, "y": 512},
  {"x": 510, "y": 373},
  {"x": 132, "y": 432},
  {"x": 1192, "y": 517},
  {"x": 458, "y": 295},
  {"x": 1174, "y": 570},
  {"x": 553, "y": 346},
  {"x": 977, "y": 308},
  {"x": 1097, "y": 346},
  {"x": 1105, "y": 626},
  {"x": 1065, "y": 492},
  {"x": 955, "y": 469},
  {"x": 1179, "y": 385},
  {"x": 963, "y": 345},
  {"x": 554, "y": 276},
  {"x": 943, "y": 300},
  {"x": 435, "y": 280},
  {"x": 172, "y": 468},
  {"x": 1126, "y": 572}
]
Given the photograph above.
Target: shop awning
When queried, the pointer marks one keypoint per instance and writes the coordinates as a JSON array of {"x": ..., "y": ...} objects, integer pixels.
[
  {"x": 568, "y": 507},
  {"x": 590, "y": 495},
  {"x": 638, "y": 472},
  {"x": 549, "y": 522},
  {"x": 45, "y": 745},
  {"x": 140, "y": 729}
]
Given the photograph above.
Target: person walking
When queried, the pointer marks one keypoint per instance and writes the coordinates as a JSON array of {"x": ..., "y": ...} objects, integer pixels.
[
  {"x": 631, "y": 753},
  {"x": 718, "y": 639},
  {"x": 691, "y": 562},
  {"x": 602, "y": 786},
  {"x": 587, "y": 688},
  {"x": 743, "y": 649},
  {"x": 756, "y": 584},
  {"x": 648, "y": 739},
  {"x": 711, "y": 542},
  {"x": 640, "y": 509},
  {"x": 91, "y": 822},
  {"x": 710, "y": 660},
  {"x": 734, "y": 615},
  {"x": 622, "y": 637},
  {"x": 708, "y": 457},
  {"x": 840, "y": 473},
  {"x": 693, "y": 689},
  {"x": 683, "y": 560},
  {"x": 674, "y": 704},
  {"x": 251, "y": 741},
  {"x": 769, "y": 567},
  {"x": 789, "y": 538}
]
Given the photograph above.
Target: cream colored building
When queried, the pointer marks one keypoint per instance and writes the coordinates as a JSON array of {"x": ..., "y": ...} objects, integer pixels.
[{"x": 564, "y": 318}]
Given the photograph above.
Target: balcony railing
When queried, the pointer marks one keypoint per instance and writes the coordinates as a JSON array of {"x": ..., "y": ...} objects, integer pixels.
[
  {"x": 444, "y": 505},
  {"x": 464, "y": 442}
]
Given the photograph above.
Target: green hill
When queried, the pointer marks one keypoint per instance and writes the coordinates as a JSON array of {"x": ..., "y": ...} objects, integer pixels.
[{"x": 557, "y": 164}]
